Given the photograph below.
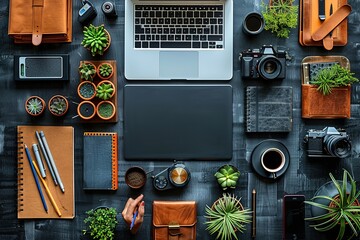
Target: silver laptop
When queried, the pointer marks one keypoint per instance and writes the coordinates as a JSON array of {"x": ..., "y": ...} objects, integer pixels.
[{"x": 178, "y": 40}]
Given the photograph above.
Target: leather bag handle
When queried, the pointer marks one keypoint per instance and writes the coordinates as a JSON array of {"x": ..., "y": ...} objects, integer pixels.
[
  {"x": 331, "y": 22},
  {"x": 37, "y": 11}
]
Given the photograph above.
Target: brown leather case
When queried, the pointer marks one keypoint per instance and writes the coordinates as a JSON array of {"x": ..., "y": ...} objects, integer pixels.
[
  {"x": 313, "y": 103},
  {"x": 310, "y": 22},
  {"x": 40, "y": 21},
  {"x": 174, "y": 220}
]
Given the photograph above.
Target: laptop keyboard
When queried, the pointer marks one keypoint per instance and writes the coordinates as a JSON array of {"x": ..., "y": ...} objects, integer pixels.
[{"x": 174, "y": 26}]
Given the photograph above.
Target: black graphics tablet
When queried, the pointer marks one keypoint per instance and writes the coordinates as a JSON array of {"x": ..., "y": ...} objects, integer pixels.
[{"x": 178, "y": 122}]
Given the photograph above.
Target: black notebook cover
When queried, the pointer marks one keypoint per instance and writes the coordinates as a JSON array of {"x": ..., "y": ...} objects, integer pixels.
[
  {"x": 268, "y": 109},
  {"x": 100, "y": 161}
]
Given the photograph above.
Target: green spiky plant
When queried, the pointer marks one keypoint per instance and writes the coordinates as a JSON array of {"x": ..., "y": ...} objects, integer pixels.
[
  {"x": 280, "y": 17},
  {"x": 342, "y": 212},
  {"x": 96, "y": 39},
  {"x": 226, "y": 217},
  {"x": 334, "y": 76},
  {"x": 105, "y": 70},
  {"x": 87, "y": 71},
  {"x": 101, "y": 223}
]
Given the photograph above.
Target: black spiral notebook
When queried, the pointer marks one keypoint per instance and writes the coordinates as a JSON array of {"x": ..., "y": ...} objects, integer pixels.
[
  {"x": 268, "y": 109},
  {"x": 100, "y": 161}
]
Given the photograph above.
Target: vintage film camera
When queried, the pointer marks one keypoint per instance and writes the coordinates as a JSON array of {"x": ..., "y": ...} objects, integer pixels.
[
  {"x": 329, "y": 142},
  {"x": 263, "y": 63},
  {"x": 172, "y": 177}
]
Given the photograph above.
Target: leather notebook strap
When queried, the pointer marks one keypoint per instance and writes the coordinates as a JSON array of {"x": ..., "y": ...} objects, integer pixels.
[
  {"x": 331, "y": 22},
  {"x": 37, "y": 11}
]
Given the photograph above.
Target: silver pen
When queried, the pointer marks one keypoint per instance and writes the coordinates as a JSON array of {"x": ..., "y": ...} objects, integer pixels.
[
  {"x": 42, "y": 135},
  {"x": 46, "y": 157},
  {"x": 38, "y": 160}
]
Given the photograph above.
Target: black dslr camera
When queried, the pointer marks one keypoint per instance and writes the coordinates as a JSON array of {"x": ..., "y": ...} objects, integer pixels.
[
  {"x": 329, "y": 142},
  {"x": 263, "y": 63}
]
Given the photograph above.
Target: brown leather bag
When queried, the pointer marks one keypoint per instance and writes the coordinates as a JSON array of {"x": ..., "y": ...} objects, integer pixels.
[
  {"x": 313, "y": 103},
  {"x": 37, "y": 21},
  {"x": 333, "y": 30},
  {"x": 174, "y": 220}
]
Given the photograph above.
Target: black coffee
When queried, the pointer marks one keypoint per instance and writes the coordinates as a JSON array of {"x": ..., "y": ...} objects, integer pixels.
[
  {"x": 272, "y": 160},
  {"x": 253, "y": 23}
]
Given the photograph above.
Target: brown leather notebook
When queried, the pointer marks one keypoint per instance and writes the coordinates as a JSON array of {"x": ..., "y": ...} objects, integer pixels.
[
  {"x": 60, "y": 140},
  {"x": 174, "y": 220},
  {"x": 310, "y": 22},
  {"x": 29, "y": 18},
  {"x": 313, "y": 103}
]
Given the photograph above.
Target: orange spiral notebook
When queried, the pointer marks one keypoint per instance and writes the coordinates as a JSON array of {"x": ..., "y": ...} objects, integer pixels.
[
  {"x": 100, "y": 170},
  {"x": 60, "y": 141}
]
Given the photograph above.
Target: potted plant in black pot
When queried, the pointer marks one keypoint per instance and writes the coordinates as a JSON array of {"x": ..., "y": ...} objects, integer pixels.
[
  {"x": 101, "y": 223},
  {"x": 336, "y": 206},
  {"x": 227, "y": 216}
]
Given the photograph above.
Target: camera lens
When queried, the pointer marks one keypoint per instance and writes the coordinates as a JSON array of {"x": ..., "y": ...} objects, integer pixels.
[
  {"x": 269, "y": 67},
  {"x": 338, "y": 146}
]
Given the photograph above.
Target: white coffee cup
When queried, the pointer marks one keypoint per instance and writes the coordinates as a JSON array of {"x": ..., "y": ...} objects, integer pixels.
[{"x": 273, "y": 160}]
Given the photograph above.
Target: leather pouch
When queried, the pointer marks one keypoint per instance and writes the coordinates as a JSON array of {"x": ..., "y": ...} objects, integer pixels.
[
  {"x": 174, "y": 220},
  {"x": 316, "y": 105},
  {"x": 310, "y": 22},
  {"x": 37, "y": 21}
]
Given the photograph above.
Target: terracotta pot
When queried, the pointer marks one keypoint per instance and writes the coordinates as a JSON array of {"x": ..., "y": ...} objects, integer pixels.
[
  {"x": 56, "y": 111},
  {"x": 107, "y": 82},
  {"x": 90, "y": 88},
  {"x": 32, "y": 109},
  {"x": 105, "y": 77},
  {"x": 87, "y": 62},
  {"x": 110, "y": 110},
  {"x": 86, "y": 110}
]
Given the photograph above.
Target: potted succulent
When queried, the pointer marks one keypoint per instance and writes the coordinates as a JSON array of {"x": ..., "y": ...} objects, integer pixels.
[
  {"x": 105, "y": 70},
  {"x": 96, "y": 39},
  {"x": 35, "y": 105},
  {"x": 227, "y": 176},
  {"x": 101, "y": 223},
  {"x": 87, "y": 71},
  {"x": 280, "y": 16},
  {"x": 335, "y": 76},
  {"x": 86, "y": 110},
  {"x": 226, "y": 217},
  {"x": 105, "y": 110},
  {"x": 336, "y": 205},
  {"x": 105, "y": 90},
  {"x": 58, "y": 105},
  {"x": 86, "y": 90}
]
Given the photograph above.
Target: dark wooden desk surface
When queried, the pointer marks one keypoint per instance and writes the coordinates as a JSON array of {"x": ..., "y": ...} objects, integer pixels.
[{"x": 304, "y": 176}]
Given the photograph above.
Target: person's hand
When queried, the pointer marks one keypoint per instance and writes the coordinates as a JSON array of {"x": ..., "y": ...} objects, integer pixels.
[{"x": 131, "y": 206}]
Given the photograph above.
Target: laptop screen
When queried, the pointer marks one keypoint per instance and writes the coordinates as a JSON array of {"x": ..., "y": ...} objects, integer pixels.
[{"x": 178, "y": 122}]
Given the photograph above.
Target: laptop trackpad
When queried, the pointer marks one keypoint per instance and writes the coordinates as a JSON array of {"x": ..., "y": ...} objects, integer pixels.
[{"x": 179, "y": 65}]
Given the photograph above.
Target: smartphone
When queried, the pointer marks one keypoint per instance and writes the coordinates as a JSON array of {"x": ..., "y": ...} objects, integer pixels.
[
  {"x": 293, "y": 217},
  {"x": 44, "y": 67}
]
